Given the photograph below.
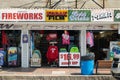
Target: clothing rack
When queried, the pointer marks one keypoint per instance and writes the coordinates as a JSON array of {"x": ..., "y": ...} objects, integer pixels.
[{"x": 53, "y": 43}]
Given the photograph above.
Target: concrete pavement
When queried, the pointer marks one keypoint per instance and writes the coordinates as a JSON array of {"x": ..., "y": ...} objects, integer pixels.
[{"x": 52, "y": 74}]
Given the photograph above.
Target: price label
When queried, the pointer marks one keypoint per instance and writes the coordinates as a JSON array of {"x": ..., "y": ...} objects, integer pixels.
[{"x": 69, "y": 59}]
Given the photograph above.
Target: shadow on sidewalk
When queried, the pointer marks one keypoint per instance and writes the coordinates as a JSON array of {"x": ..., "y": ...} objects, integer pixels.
[{"x": 93, "y": 74}]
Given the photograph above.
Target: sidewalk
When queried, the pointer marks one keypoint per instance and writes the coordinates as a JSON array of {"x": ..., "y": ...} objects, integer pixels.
[
  {"x": 51, "y": 74},
  {"x": 48, "y": 71}
]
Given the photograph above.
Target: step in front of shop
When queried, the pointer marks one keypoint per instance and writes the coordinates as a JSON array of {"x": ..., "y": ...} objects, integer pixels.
[{"x": 56, "y": 77}]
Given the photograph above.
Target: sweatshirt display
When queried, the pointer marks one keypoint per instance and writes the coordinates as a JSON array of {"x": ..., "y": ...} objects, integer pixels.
[{"x": 52, "y": 54}]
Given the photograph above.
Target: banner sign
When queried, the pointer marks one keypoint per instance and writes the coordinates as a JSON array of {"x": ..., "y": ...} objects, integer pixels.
[
  {"x": 22, "y": 15},
  {"x": 56, "y": 15},
  {"x": 117, "y": 15},
  {"x": 102, "y": 15},
  {"x": 69, "y": 59},
  {"x": 79, "y": 15}
]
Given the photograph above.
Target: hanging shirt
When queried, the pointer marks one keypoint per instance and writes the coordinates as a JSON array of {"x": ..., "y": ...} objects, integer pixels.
[
  {"x": 65, "y": 39},
  {"x": 4, "y": 38},
  {"x": 89, "y": 39},
  {"x": 52, "y": 53}
]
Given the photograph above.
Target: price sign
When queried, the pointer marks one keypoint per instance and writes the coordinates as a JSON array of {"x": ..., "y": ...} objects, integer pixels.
[
  {"x": 75, "y": 59},
  {"x": 63, "y": 59},
  {"x": 69, "y": 59}
]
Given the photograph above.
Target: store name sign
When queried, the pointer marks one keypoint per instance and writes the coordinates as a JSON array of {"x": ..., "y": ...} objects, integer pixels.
[
  {"x": 22, "y": 15},
  {"x": 57, "y": 15},
  {"x": 102, "y": 15},
  {"x": 117, "y": 15},
  {"x": 79, "y": 15}
]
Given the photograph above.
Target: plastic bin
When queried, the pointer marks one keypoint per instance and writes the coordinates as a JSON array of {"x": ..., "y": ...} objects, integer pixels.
[{"x": 87, "y": 64}]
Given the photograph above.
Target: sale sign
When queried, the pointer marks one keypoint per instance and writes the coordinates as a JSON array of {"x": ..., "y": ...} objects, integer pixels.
[{"x": 69, "y": 59}]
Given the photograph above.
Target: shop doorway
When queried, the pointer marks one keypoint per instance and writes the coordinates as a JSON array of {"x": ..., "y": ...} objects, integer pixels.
[
  {"x": 101, "y": 42},
  {"x": 43, "y": 39},
  {"x": 10, "y": 48}
]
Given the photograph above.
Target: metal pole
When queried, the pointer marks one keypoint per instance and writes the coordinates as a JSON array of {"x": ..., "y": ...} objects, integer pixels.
[
  {"x": 75, "y": 3},
  {"x": 50, "y": 4},
  {"x": 103, "y": 4}
]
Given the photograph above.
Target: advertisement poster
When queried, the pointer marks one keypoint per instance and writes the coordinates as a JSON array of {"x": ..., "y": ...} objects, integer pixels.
[
  {"x": 114, "y": 49},
  {"x": 69, "y": 59},
  {"x": 56, "y": 15},
  {"x": 79, "y": 15},
  {"x": 12, "y": 56}
]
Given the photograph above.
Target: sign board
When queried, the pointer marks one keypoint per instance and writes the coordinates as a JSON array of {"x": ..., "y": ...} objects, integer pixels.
[
  {"x": 69, "y": 59},
  {"x": 63, "y": 59},
  {"x": 79, "y": 15},
  {"x": 56, "y": 15},
  {"x": 102, "y": 15},
  {"x": 117, "y": 15},
  {"x": 22, "y": 15},
  {"x": 74, "y": 59}
]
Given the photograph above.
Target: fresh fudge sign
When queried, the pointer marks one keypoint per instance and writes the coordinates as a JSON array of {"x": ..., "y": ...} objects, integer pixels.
[
  {"x": 102, "y": 15},
  {"x": 79, "y": 15},
  {"x": 22, "y": 15},
  {"x": 56, "y": 15},
  {"x": 117, "y": 15}
]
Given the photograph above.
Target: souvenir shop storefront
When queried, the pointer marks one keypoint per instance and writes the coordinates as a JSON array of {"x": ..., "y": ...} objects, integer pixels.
[{"x": 45, "y": 38}]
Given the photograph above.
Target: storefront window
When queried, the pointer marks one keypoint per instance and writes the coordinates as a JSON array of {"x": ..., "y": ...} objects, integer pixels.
[
  {"x": 10, "y": 47},
  {"x": 99, "y": 42},
  {"x": 51, "y": 41}
]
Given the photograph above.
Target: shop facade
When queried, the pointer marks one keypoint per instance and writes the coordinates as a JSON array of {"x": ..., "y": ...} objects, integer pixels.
[{"x": 40, "y": 29}]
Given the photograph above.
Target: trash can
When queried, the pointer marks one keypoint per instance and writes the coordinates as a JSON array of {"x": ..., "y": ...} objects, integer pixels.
[{"x": 87, "y": 64}]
